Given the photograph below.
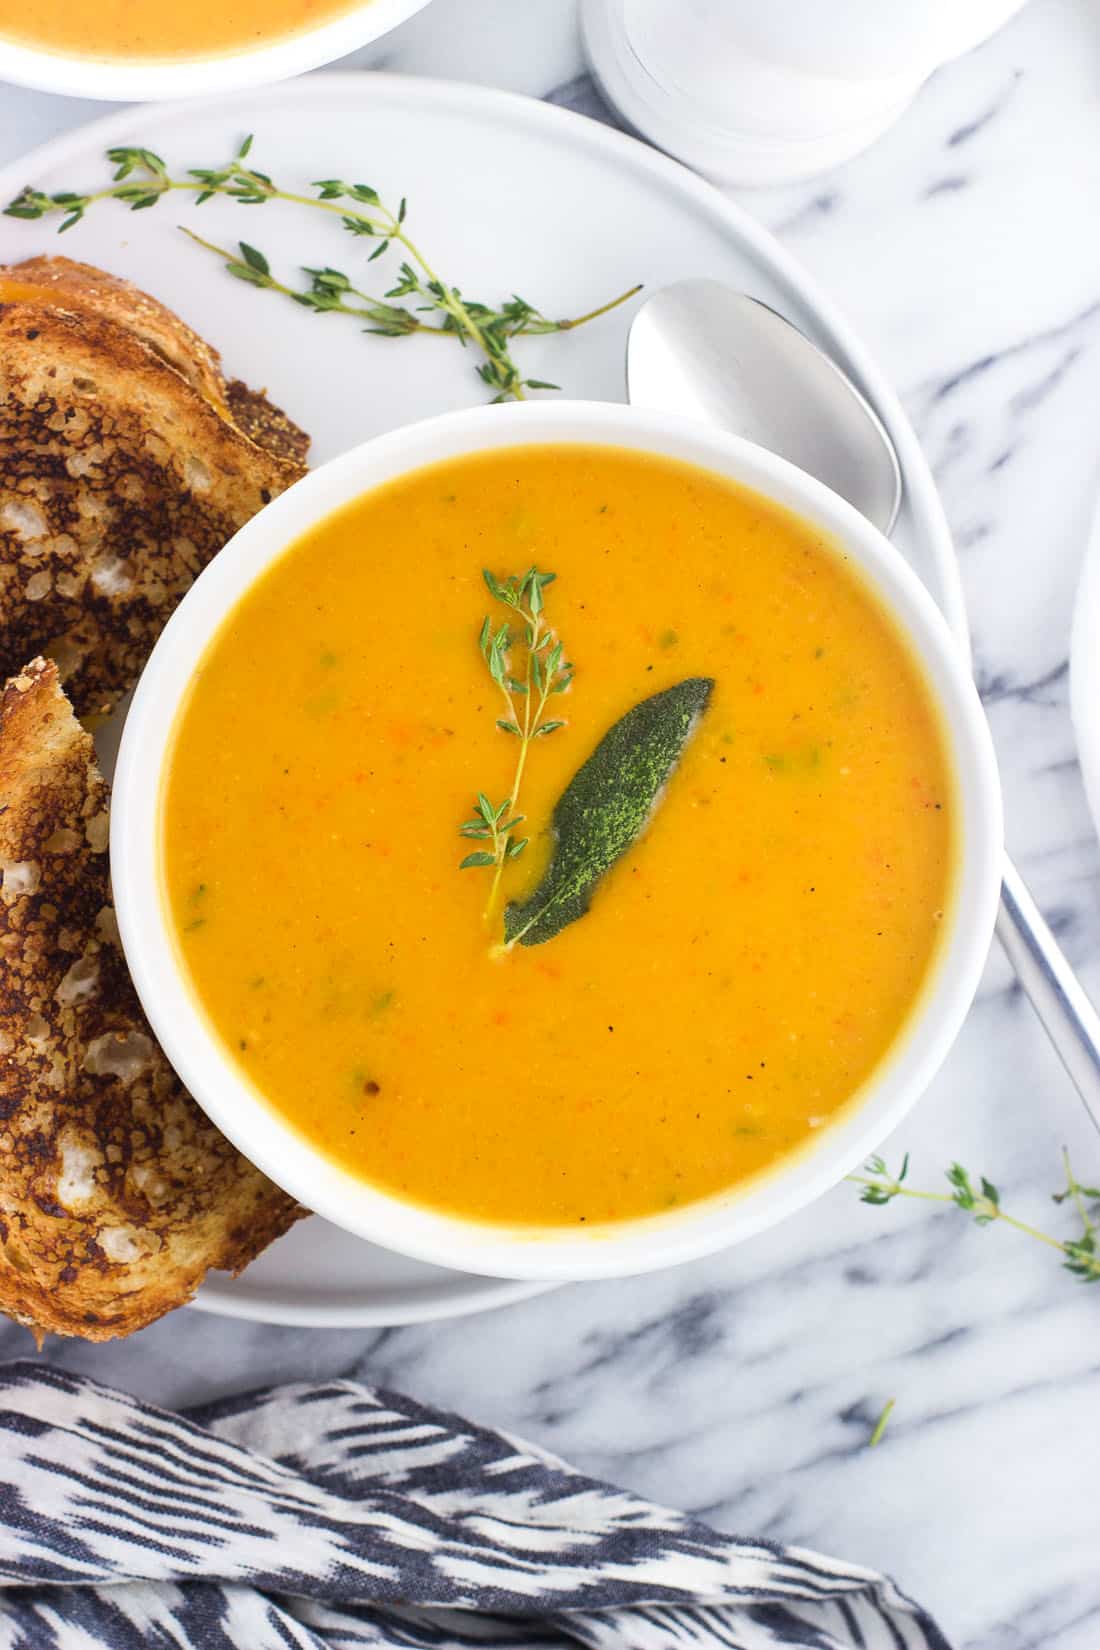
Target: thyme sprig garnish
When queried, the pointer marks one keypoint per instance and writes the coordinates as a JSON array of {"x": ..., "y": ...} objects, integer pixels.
[
  {"x": 526, "y": 690},
  {"x": 982, "y": 1202},
  {"x": 142, "y": 180}
]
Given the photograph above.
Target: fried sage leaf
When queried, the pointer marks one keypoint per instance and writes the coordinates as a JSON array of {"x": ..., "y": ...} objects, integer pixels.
[{"x": 606, "y": 806}]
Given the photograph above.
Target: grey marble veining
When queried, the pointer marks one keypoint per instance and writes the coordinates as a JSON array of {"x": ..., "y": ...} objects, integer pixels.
[{"x": 966, "y": 247}]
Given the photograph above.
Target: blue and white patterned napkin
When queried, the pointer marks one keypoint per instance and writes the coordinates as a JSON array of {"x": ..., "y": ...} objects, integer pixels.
[{"x": 332, "y": 1516}]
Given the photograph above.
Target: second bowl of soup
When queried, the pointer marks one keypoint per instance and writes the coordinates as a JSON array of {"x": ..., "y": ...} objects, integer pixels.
[
  {"x": 556, "y": 840},
  {"x": 122, "y": 51}
]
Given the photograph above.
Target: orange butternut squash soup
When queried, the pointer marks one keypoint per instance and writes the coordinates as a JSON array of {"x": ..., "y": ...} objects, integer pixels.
[
  {"x": 715, "y": 914},
  {"x": 121, "y": 29}
]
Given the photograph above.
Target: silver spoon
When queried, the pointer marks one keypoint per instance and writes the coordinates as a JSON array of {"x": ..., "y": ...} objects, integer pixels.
[{"x": 704, "y": 349}]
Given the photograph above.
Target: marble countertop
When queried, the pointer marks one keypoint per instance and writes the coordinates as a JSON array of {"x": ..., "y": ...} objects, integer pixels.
[{"x": 965, "y": 247}]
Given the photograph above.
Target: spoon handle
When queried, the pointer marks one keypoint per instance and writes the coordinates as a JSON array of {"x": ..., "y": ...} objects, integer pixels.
[{"x": 1055, "y": 993}]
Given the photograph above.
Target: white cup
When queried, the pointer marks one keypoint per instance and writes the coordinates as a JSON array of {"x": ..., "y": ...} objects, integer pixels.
[{"x": 752, "y": 93}]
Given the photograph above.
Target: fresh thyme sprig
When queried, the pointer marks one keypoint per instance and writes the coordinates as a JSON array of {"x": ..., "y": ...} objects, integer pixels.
[
  {"x": 544, "y": 673},
  {"x": 142, "y": 180},
  {"x": 983, "y": 1204}
]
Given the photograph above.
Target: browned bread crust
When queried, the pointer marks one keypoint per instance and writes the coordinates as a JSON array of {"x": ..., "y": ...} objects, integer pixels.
[
  {"x": 118, "y": 483},
  {"x": 265, "y": 423},
  {"x": 117, "y": 1194}
]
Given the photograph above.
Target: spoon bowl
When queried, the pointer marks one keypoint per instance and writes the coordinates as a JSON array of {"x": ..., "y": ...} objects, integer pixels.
[{"x": 703, "y": 349}]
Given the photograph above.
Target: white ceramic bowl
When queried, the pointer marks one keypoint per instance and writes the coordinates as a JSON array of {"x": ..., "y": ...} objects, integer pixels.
[
  {"x": 240, "y": 1110},
  {"x": 156, "y": 80}
]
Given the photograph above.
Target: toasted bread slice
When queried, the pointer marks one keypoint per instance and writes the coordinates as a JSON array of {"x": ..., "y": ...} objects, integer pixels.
[
  {"x": 83, "y": 289},
  {"x": 118, "y": 483},
  {"x": 67, "y": 284},
  {"x": 117, "y": 1194}
]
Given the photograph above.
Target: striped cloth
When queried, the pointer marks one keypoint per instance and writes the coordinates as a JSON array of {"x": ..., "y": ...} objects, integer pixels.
[{"x": 332, "y": 1516}]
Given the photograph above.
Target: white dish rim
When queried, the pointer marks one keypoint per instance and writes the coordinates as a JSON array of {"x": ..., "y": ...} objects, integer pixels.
[
  {"x": 1084, "y": 670},
  {"x": 454, "y": 1295},
  {"x": 442, "y": 1239}
]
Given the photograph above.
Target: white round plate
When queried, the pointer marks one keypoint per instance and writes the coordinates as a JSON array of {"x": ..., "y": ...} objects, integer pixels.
[
  {"x": 505, "y": 195},
  {"x": 1084, "y": 671}
]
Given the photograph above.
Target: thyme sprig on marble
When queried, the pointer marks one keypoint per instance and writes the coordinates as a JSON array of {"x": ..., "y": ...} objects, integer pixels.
[
  {"x": 881, "y": 1424},
  {"x": 526, "y": 690},
  {"x": 142, "y": 180},
  {"x": 982, "y": 1202}
]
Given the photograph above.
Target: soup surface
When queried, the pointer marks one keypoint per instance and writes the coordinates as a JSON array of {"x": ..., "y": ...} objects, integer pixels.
[
  {"x": 194, "y": 28},
  {"x": 743, "y": 967}
]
